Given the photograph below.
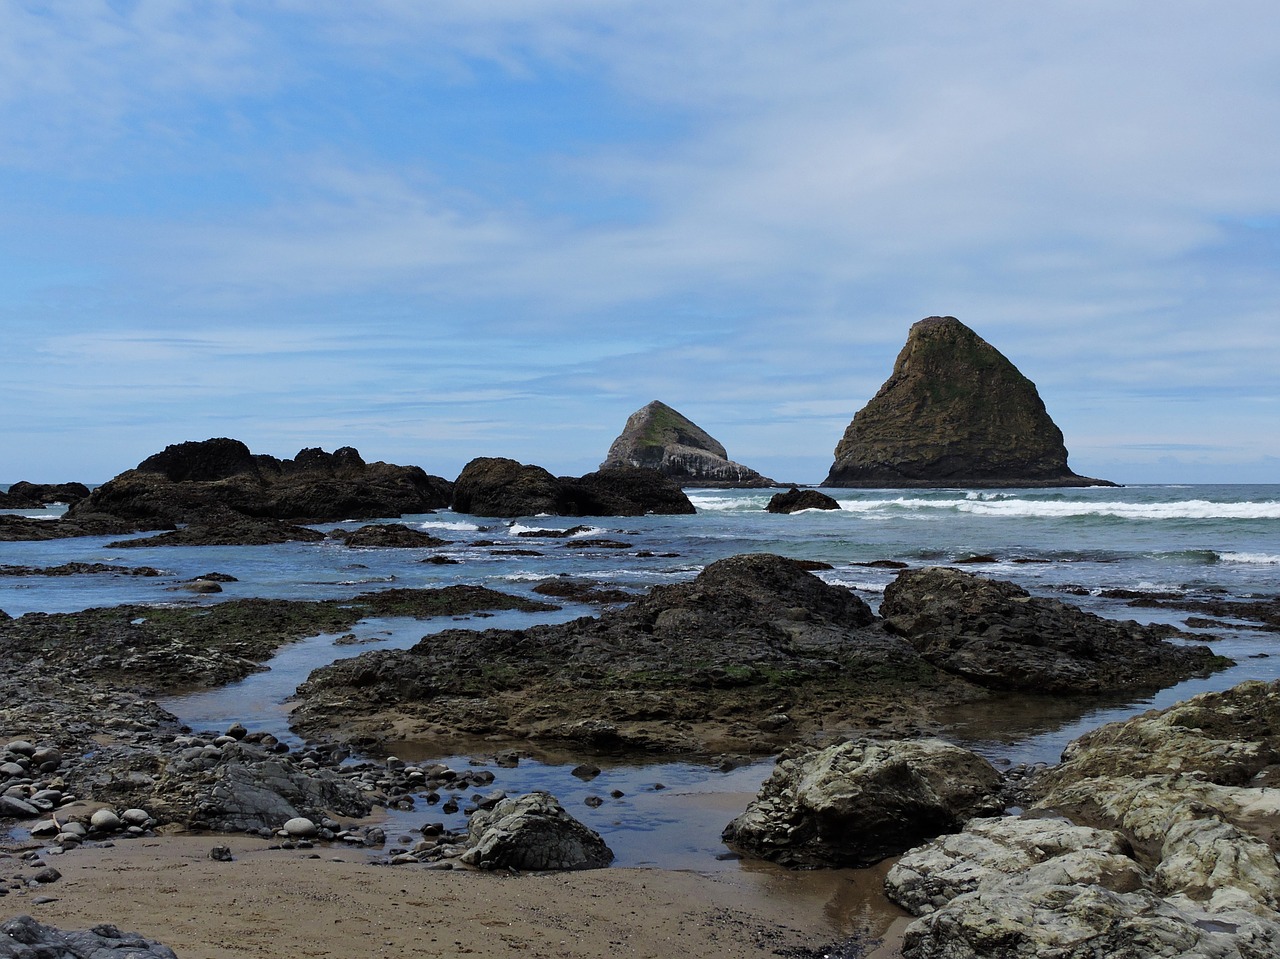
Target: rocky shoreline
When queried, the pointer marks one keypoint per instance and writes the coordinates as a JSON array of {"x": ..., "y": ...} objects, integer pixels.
[{"x": 753, "y": 657}]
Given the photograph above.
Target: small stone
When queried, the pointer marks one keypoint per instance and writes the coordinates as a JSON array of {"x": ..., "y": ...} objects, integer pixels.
[
  {"x": 46, "y": 875},
  {"x": 300, "y": 826},
  {"x": 220, "y": 854}
]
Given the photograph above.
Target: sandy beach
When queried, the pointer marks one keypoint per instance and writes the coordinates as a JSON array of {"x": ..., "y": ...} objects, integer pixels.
[{"x": 330, "y": 902}]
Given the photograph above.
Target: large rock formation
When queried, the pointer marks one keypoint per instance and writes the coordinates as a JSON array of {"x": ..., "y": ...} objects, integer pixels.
[
  {"x": 955, "y": 412},
  {"x": 497, "y": 486},
  {"x": 190, "y": 481},
  {"x": 660, "y": 438},
  {"x": 1168, "y": 847}
]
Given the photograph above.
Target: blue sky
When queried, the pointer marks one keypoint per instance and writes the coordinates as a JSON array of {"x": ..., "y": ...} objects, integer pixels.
[{"x": 439, "y": 230}]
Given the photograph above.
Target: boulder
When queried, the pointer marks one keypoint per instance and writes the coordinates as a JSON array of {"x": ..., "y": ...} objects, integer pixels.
[
  {"x": 496, "y": 486},
  {"x": 533, "y": 832},
  {"x": 185, "y": 482},
  {"x": 858, "y": 802},
  {"x": 657, "y": 437},
  {"x": 954, "y": 412},
  {"x": 794, "y": 500},
  {"x": 24, "y": 938},
  {"x": 997, "y": 635}
]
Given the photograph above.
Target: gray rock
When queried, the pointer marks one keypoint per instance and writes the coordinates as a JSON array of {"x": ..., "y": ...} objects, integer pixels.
[
  {"x": 1185, "y": 865},
  {"x": 533, "y": 832},
  {"x": 300, "y": 826},
  {"x": 657, "y": 437},
  {"x": 12, "y": 807},
  {"x": 859, "y": 802},
  {"x": 105, "y": 820},
  {"x": 24, "y": 938}
]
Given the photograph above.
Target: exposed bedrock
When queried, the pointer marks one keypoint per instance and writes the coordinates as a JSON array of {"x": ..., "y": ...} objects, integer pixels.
[
  {"x": 954, "y": 412},
  {"x": 1156, "y": 836},
  {"x": 658, "y": 437}
]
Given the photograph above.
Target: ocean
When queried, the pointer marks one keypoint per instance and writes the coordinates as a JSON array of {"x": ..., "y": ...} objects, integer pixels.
[{"x": 1197, "y": 541}]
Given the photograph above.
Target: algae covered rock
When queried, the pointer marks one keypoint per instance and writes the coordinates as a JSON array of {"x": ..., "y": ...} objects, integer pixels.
[
  {"x": 996, "y": 634},
  {"x": 663, "y": 439},
  {"x": 954, "y": 412}
]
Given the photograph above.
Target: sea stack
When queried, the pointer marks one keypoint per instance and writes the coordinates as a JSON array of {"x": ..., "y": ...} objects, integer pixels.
[
  {"x": 955, "y": 412},
  {"x": 658, "y": 437}
]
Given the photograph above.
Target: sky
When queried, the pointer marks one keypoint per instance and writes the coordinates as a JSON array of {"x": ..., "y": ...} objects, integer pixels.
[{"x": 441, "y": 230}]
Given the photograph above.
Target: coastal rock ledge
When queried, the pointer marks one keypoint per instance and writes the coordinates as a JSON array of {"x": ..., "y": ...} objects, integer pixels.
[
  {"x": 954, "y": 412},
  {"x": 658, "y": 437}
]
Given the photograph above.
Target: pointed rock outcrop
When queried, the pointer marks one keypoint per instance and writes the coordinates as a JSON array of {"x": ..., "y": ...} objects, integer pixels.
[
  {"x": 658, "y": 437},
  {"x": 955, "y": 412}
]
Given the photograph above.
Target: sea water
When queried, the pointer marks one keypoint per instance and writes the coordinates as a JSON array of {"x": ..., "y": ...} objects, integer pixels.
[{"x": 1199, "y": 541}]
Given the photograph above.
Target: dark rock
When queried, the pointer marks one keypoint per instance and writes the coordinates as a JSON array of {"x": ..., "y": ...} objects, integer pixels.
[
  {"x": 794, "y": 500},
  {"x": 625, "y": 491},
  {"x": 185, "y": 482},
  {"x": 657, "y": 437},
  {"x": 533, "y": 832},
  {"x": 997, "y": 635},
  {"x": 955, "y": 412},
  {"x": 495, "y": 486},
  {"x": 24, "y": 938},
  {"x": 751, "y": 637},
  {"x": 24, "y": 495},
  {"x": 20, "y": 528},
  {"x": 387, "y": 535},
  {"x": 857, "y": 803},
  {"x": 79, "y": 569},
  {"x": 225, "y": 528},
  {"x": 583, "y": 592}
]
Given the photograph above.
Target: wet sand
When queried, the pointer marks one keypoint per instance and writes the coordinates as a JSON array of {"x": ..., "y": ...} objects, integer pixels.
[{"x": 329, "y": 902}]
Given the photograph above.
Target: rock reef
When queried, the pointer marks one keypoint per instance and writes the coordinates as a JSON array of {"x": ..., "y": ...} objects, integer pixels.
[
  {"x": 954, "y": 412},
  {"x": 658, "y": 437},
  {"x": 753, "y": 654}
]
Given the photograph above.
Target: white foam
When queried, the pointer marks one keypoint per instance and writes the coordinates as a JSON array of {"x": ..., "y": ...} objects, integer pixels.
[
  {"x": 1260, "y": 559},
  {"x": 1064, "y": 509},
  {"x": 459, "y": 526}
]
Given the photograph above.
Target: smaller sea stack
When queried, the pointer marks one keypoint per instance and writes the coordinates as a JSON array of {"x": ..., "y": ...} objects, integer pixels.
[
  {"x": 657, "y": 437},
  {"x": 955, "y": 412}
]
